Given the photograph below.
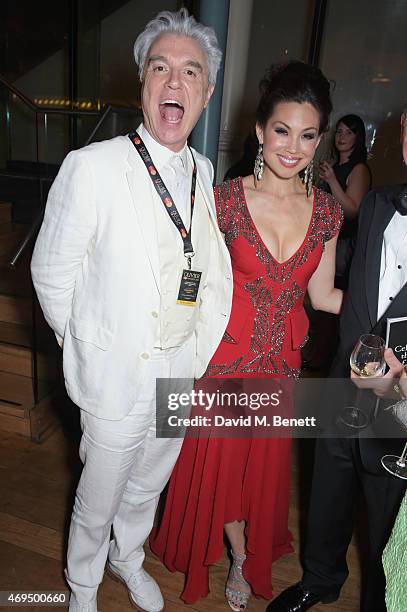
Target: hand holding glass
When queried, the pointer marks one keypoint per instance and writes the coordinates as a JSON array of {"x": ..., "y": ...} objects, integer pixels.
[{"x": 366, "y": 360}]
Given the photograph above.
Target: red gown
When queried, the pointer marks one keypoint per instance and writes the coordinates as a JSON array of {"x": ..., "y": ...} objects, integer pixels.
[{"x": 219, "y": 480}]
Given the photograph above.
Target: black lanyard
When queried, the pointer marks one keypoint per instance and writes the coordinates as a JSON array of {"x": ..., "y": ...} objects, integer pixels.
[{"x": 165, "y": 196}]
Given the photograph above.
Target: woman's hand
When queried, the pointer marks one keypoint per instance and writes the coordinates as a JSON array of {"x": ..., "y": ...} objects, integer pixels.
[{"x": 326, "y": 171}]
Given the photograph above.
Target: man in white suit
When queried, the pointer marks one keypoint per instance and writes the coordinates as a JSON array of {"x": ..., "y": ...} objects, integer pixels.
[{"x": 111, "y": 269}]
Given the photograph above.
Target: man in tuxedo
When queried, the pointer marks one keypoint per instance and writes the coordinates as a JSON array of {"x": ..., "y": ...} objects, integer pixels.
[
  {"x": 133, "y": 295},
  {"x": 346, "y": 467}
]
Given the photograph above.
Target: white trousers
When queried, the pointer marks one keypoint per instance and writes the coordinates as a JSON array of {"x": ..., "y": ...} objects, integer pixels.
[{"x": 125, "y": 468}]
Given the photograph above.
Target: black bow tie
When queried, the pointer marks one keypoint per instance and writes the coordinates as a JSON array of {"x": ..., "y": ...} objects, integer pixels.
[{"x": 400, "y": 202}]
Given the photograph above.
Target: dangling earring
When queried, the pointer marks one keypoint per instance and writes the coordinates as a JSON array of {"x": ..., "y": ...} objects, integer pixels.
[
  {"x": 308, "y": 177},
  {"x": 259, "y": 164}
]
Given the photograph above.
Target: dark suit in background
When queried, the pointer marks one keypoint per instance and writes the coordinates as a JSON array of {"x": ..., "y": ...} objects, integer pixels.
[{"x": 345, "y": 467}]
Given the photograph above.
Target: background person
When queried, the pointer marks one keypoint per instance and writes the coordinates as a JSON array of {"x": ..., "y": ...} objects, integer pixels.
[{"x": 348, "y": 179}]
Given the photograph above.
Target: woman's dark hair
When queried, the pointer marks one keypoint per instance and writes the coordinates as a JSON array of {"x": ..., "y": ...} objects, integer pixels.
[
  {"x": 294, "y": 82},
  {"x": 356, "y": 125}
]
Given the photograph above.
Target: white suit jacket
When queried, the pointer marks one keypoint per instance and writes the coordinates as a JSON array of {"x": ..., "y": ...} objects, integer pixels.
[{"x": 96, "y": 271}]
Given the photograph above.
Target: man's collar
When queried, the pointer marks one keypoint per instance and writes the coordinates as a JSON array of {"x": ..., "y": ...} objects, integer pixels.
[
  {"x": 400, "y": 201},
  {"x": 161, "y": 156}
]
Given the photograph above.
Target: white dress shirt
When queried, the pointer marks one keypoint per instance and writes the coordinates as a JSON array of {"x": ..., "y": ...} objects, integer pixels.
[
  {"x": 175, "y": 322},
  {"x": 393, "y": 265},
  {"x": 175, "y": 170}
]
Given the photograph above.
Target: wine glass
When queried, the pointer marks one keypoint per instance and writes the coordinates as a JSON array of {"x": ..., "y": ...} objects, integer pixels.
[
  {"x": 366, "y": 360},
  {"x": 393, "y": 464},
  {"x": 396, "y": 465}
]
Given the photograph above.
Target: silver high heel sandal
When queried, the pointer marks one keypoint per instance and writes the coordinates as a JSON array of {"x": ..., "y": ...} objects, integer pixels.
[{"x": 235, "y": 596}]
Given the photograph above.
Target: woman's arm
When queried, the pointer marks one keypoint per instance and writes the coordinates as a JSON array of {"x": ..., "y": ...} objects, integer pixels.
[
  {"x": 357, "y": 187},
  {"x": 321, "y": 290}
]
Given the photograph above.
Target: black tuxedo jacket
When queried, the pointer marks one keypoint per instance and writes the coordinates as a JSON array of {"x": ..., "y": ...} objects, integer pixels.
[{"x": 359, "y": 315}]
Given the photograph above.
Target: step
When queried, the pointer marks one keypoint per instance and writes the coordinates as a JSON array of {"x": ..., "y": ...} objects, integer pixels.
[
  {"x": 17, "y": 280},
  {"x": 15, "y": 419},
  {"x": 6, "y": 210},
  {"x": 12, "y": 333},
  {"x": 11, "y": 236},
  {"x": 19, "y": 414},
  {"x": 15, "y": 309},
  {"x": 14, "y": 409},
  {"x": 16, "y": 359},
  {"x": 16, "y": 390}
]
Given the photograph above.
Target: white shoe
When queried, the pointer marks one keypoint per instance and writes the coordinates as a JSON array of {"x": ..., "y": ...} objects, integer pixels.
[
  {"x": 144, "y": 592},
  {"x": 75, "y": 606}
]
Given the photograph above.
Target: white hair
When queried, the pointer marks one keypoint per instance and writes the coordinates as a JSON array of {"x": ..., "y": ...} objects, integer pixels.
[{"x": 182, "y": 24}]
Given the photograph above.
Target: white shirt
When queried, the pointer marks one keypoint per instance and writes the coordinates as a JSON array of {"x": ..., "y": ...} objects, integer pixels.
[
  {"x": 393, "y": 265},
  {"x": 175, "y": 170}
]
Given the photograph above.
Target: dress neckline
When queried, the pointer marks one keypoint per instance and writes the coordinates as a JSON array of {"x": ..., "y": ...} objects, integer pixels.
[{"x": 280, "y": 263}]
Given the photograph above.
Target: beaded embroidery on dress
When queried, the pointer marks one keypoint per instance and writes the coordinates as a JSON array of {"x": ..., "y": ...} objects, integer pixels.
[{"x": 270, "y": 291}]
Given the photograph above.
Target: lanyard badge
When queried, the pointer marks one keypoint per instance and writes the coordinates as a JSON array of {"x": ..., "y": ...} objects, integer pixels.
[
  {"x": 189, "y": 287},
  {"x": 190, "y": 279}
]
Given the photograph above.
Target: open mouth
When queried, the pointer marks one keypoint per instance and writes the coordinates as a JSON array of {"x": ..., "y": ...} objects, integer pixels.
[{"x": 171, "y": 111}]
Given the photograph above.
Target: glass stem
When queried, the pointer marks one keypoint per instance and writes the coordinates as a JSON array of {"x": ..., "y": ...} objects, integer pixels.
[{"x": 402, "y": 460}]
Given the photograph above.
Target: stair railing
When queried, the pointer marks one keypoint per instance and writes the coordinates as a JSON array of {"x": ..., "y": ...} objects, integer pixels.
[{"x": 44, "y": 111}]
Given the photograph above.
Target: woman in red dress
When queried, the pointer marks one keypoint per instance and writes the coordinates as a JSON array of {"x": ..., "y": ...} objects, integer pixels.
[{"x": 281, "y": 234}]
